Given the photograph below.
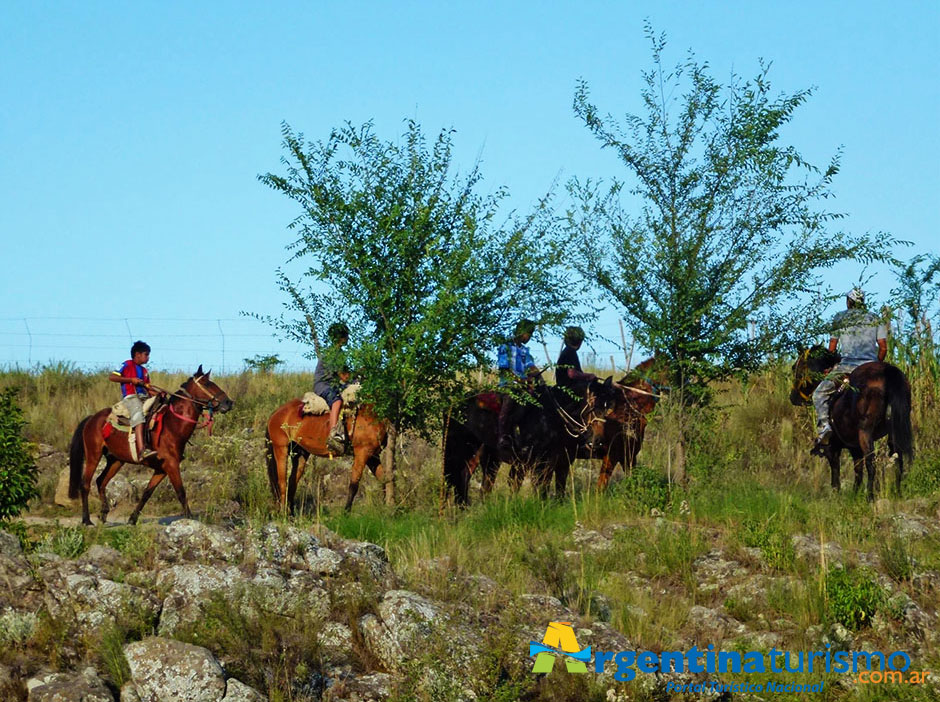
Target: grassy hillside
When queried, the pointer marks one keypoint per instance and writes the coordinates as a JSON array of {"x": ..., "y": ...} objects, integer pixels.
[{"x": 732, "y": 538}]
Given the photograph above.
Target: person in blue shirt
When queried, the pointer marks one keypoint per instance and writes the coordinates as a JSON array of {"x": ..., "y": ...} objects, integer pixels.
[
  {"x": 516, "y": 373},
  {"x": 135, "y": 388},
  {"x": 861, "y": 337}
]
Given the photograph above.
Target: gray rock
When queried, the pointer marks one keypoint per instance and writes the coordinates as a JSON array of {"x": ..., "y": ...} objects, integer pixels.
[
  {"x": 336, "y": 641},
  {"x": 712, "y": 566},
  {"x": 808, "y": 548},
  {"x": 165, "y": 670},
  {"x": 18, "y": 588},
  {"x": 102, "y": 557},
  {"x": 69, "y": 687},
  {"x": 129, "y": 693},
  {"x": 361, "y": 688},
  {"x": 404, "y": 619},
  {"x": 74, "y": 590},
  {"x": 910, "y": 526},
  {"x": 191, "y": 585},
  {"x": 191, "y": 540},
  {"x": 237, "y": 691},
  {"x": 711, "y": 622}
]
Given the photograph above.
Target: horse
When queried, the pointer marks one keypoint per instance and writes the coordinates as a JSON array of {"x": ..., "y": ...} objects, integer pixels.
[
  {"x": 552, "y": 430},
  {"x": 291, "y": 433},
  {"x": 859, "y": 412},
  {"x": 624, "y": 427},
  {"x": 179, "y": 419}
]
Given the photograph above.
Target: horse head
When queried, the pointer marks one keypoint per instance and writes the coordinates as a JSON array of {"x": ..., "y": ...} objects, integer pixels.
[
  {"x": 207, "y": 393},
  {"x": 809, "y": 369},
  {"x": 600, "y": 402}
]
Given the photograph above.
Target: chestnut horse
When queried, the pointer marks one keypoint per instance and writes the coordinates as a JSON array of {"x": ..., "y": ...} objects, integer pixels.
[
  {"x": 552, "y": 432},
  {"x": 624, "y": 428},
  {"x": 859, "y": 412},
  {"x": 296, "y": 436},
  {"x": 88, "y": 446}
]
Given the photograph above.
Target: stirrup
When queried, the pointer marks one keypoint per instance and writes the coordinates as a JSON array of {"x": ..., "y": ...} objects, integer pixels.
[{"x": 147, "y": 453}]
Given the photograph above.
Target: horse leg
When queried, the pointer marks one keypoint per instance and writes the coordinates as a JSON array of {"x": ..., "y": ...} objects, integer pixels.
[
  {"x": 867, "y": 445},
  {"x": 92, "y": 456},
  {"x": 516, "y": 476},
  {"x": 111, "y": 468},
  {"x": 834, "y": 456},
  {"x": 298, "y": 463},
  {"x": 176, "y": 480},
  {"x": 489, "y": 468},
  {"x": 155, "y": 480},
  {"x": 858, "y": 464},
  {"x": 360, "y": 459},
  {"x": 561, "y": 467}
]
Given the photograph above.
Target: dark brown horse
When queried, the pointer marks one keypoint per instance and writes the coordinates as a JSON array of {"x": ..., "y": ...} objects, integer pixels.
[
  {"x": 179, "y": 420},
  {"x": 859, "y": 412},
  {"x": 624, "y": 427},
  {"x": 553, "y": 430},
  {"x": 294, "y": 436}
]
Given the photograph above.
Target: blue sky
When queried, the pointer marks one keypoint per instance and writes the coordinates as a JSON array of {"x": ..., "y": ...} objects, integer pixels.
[{"x": 132, "y": 135}]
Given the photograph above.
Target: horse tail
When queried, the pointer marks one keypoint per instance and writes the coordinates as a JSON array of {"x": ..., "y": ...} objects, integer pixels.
[
  {"x": 272, "y": 465},
  {"x": 898, "y": 392},
  {"x": 77, "y": 458}
]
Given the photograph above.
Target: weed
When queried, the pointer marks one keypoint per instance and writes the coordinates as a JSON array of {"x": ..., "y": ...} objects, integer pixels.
[{"x": 853, "y": 597}]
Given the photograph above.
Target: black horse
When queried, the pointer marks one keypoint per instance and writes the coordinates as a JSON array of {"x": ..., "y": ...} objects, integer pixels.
[
  {"x": 551, "y": 431},
  {"x": 859, "y": 412}
]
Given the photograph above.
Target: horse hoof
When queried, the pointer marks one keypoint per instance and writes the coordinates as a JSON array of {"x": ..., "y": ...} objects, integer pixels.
[
  {"x": 87, "y": 522},
  {"x": 132, "y": 520}
]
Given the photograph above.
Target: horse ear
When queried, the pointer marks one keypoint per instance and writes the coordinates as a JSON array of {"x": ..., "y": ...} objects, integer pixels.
[
  {"x": 198, "y": 372},
  {"x": 609, "y": 382},
  {"x": 206, "y": 376}
]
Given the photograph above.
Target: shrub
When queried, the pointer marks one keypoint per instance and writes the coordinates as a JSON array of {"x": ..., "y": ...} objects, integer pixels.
[
  {"x": 853, "y": 597},
  {"x": 17, "y": 470}
]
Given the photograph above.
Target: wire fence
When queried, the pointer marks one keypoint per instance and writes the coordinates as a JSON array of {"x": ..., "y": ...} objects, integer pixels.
[{"x": 223, "y": 344}]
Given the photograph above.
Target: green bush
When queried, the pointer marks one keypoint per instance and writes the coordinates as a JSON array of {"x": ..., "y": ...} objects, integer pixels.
[
  {"x": 17, "y": 470},
  {"x": 853, "y": 597}
]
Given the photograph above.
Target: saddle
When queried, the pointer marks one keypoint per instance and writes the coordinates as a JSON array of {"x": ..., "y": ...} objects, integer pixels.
[
  {"x": 316, "y": 405},
  {"x": 120, "y": 418},
  {"x": 489, "y": 401}
]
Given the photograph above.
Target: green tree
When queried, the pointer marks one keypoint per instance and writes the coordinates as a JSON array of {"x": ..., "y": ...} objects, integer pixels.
[
  {"x": 413, "y": 258},
  {"x": 17, "y": 470},
  {"x": 731, "y": 228}
]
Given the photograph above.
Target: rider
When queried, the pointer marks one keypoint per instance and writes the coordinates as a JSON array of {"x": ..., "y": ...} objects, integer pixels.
[
  {"x": 516, "y": 368},
  {"x": 862, "y": 337},
  {"x": 135, "y": 387},
  {"x": 568, "y": 367},
  {"x": 330, "y": 378}
]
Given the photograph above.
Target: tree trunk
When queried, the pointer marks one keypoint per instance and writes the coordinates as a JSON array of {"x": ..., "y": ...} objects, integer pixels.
[{"x": 388, "y": 463}]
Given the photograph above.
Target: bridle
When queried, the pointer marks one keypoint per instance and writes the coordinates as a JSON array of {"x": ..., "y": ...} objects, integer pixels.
[{"x": 208, "y": 406}]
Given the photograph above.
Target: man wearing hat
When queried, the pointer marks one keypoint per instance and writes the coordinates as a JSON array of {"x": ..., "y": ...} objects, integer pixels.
[
  {"x": 568, "y": 366},
  {"x": 516, "y": 368},
  {"x": 861, "y": 337}
]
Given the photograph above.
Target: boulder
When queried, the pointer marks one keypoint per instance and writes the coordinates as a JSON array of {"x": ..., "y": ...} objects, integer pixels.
[
  {"x": 75, "y": 590},
  {"x": 165, "y": 670},
  {"x": 191, "y": 540},
  {"x": 69, "y": 687},
  {"x": 237, "y": 691}
]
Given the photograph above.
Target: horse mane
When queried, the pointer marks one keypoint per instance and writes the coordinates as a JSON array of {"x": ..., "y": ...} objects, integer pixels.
[{"x": 820, "y": 358}]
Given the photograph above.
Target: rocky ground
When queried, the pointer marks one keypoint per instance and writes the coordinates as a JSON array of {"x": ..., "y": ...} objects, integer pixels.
[{"x": 241, "y": 609}]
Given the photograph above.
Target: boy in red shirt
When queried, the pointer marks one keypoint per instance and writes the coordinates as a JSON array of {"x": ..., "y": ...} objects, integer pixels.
[{"x": 135, "y": 387}]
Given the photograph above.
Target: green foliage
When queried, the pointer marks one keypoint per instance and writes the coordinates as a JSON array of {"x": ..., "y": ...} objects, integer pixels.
[
  {"x": 772, "y": 539},
  {"x": 411, "y": 257},
  {"x": 278, "y": 652},
  {"x": 17, "y": 470},
  {"x": 896, "y": 558},
  {"x": 731, "y": 228},
  {"x": 263, "y": 364},
  {"x": 853, "y": 597},
  {"x": 68, "y": 542},
  {"x": 646, "y": 487}
]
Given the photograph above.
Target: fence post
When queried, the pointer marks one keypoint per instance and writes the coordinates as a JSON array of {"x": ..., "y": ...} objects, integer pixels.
[{"x": 222, "y": 334}]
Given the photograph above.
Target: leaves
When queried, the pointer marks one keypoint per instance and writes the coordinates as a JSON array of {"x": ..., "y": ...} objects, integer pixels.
[
  {"x": 730, "y": 228},
  {"x": 414, "y": 259},
  {"x": 17, "y": 470}
]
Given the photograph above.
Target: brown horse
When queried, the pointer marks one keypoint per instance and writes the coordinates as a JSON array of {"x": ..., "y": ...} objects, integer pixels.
[
  {"x": 180, "y": 416},
  {"x": 624, "y": 427},
  {"x": 859, "y": 412},
  {"x": 294, "y": 435},
  {"x": 552, "y": 431}
]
